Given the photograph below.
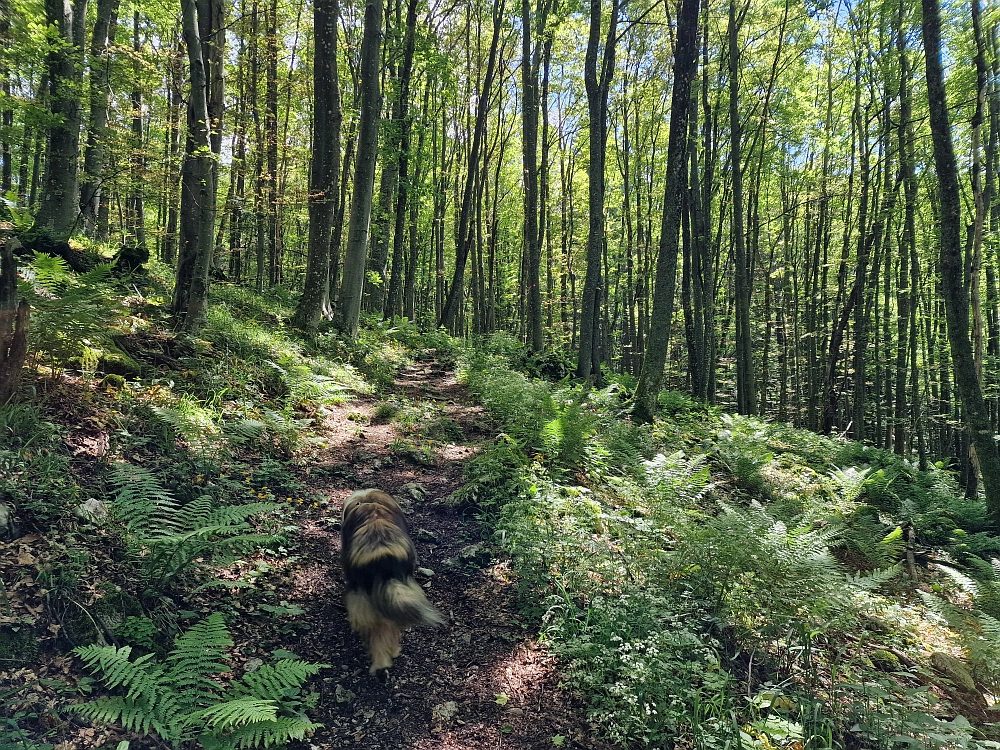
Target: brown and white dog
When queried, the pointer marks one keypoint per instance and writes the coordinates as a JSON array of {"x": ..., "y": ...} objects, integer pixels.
[{"x": 379, "y": 558}]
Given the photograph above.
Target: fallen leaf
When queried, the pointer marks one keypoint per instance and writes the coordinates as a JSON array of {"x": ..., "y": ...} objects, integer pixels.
[{"x": 25, "y": 558}]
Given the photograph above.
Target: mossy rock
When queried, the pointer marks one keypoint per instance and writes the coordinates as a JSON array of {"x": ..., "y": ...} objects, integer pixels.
[
  {"x": 80, "y": 627},
  {"x": 884, "y": 661},
  {"x": 118, "y": 365},
  {"x": 18, "y": 644},
  {"x": 78, "y": 259},
  {"x": 955, "y": 671},
  {"x": 115, "y": 607}
]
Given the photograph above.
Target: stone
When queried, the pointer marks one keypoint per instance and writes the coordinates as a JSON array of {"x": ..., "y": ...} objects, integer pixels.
[
  {"x": 884, "y": 661},
  {"x": 426, "y": 572},
  {"x": 91, "y": 511},
  {"x": 414, "y": 490},
  {"x": 443, "y": 712},
  {"x": 475, "y": 554},
  {"x": 343, "y": 695},
  {"x": 423, "y": 535},
  {"x": 955, "y": 671},
  {"x": 8, "y": 528}
]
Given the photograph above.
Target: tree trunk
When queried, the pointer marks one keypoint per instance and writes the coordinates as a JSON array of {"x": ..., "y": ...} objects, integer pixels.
[
  {"x": 59, "y": 207},
  {"x": 325, "y": 169},
  {"x": 201, "y": 22},
  {"x": 588, "y": 365},
  {"x": 685, "y": 68},
  {"x": 530, "y": 64},
  {"x": 100, "y": 84},
  {"x": 136, "y": 219},
  {"x": 273, "y": 225},
  {"x": 364, "y": 172},
  {"x": 13, "y": 321},
  {"x": 745, "y": 401},
  {"x": 955, "y": 294},
  {"x": 394, "y": 301}
]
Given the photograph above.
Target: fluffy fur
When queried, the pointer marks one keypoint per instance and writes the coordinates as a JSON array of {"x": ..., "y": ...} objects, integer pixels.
[{"x": 378, "y": 558}]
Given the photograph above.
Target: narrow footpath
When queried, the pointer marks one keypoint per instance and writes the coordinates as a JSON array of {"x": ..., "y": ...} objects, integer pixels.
[{"x": 481, "y": 681}]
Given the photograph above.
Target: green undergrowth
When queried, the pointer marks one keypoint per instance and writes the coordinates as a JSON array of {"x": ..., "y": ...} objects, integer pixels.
[
  {"x": 149, "y": 477},
  {"x": 718, "y": 581}
]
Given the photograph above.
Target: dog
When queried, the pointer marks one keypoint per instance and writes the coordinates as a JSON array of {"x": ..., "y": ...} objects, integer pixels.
[{"x": 378, "y": 558}]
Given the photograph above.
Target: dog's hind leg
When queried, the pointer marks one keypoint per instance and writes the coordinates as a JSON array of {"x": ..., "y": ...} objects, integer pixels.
[{"x": 383, "y": 645}]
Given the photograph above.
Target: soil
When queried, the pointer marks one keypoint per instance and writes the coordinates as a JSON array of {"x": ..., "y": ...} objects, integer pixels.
[{"x": 481, "y": 681}]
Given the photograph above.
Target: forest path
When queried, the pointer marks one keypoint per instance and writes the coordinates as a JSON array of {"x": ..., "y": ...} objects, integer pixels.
[{"x": 482, "y": 680}]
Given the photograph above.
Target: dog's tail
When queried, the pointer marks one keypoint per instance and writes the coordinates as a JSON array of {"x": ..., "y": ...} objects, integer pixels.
[{"x": 403, "y": 602}]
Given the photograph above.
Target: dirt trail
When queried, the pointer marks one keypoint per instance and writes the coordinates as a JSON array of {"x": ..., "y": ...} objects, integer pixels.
[{"x": 481, "y": 681}]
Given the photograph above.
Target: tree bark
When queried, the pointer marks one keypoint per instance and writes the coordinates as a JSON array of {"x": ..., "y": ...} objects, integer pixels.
[
  {"x": 364, "y": 172},
  {"x": 956, "y": 297},
  {"x": 685, "y": 68},
  {"x": 394, "y": 301},
  {"x": 100, "y": 84},
  {"x": 325, "y": 170},
  {"x": 588, "y": 365},
  {"x": 59, "y": 207},
  {"x": 745, "y": 401},
  {"x": 530, "y": 64},
  {"x": 201, "y": 20},
  {"x": 14, "y": 315}
]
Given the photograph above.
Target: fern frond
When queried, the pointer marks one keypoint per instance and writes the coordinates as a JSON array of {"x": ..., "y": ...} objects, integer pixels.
[
  {"x": 231, "y": 515},
  {"x": 48, "y": 272},
  {"x": 98, "y": 275},
  {"x": 139, "y": 676},
  {"x": 237, "y": 712},
  {"x": 964, "y": 582},
  {"x": 875, "y": 579},
  {"x": 273, "y": 679},
  {"x": 141, "y": 502},
  {"x": 196, "y": 513},
  {"x": 272, "y": 733},
  {"x": 199, "y": 653}
]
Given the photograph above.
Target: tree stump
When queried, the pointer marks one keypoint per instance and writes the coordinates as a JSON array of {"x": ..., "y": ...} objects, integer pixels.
[{"x": 13, "y": 319}]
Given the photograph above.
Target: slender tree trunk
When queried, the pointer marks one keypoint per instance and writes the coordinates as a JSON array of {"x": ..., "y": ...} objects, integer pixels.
[
  {"x": 589, "y": 360},
  {"x": 745, "y": 401},
  {"x": 394, "y": 300},
  {"x": 674, "y": 187},
  {"x": 325, "y": 167},
  {"x": 530, "y": 64},
  {"x": 100, "y": 84},
  {"x": 136, "y": 218},
  {"x": 168, "y": 253},
  {"x": 906, "y": 295},
  {"x": 465, "y": 237},
  {"x": 956, "y": 297},
  {"x": 364, "y": 173},
  {"x": 409, "y": 286},
  {"x": 6, "y": 112},
  {"x": 377, "y": 272},
  {"x": 273, "y": 224}
]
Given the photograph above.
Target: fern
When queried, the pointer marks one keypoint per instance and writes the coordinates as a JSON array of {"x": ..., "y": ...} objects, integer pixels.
[
  {"x": 69, "y": 313},
  {"x": 192, "y": 422},
  {"x": 274, "y": 733},
  {"x": 170, "y": 540},
  {"x": 141, "y": 503},
  {"x": 181, "y": 698}
]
